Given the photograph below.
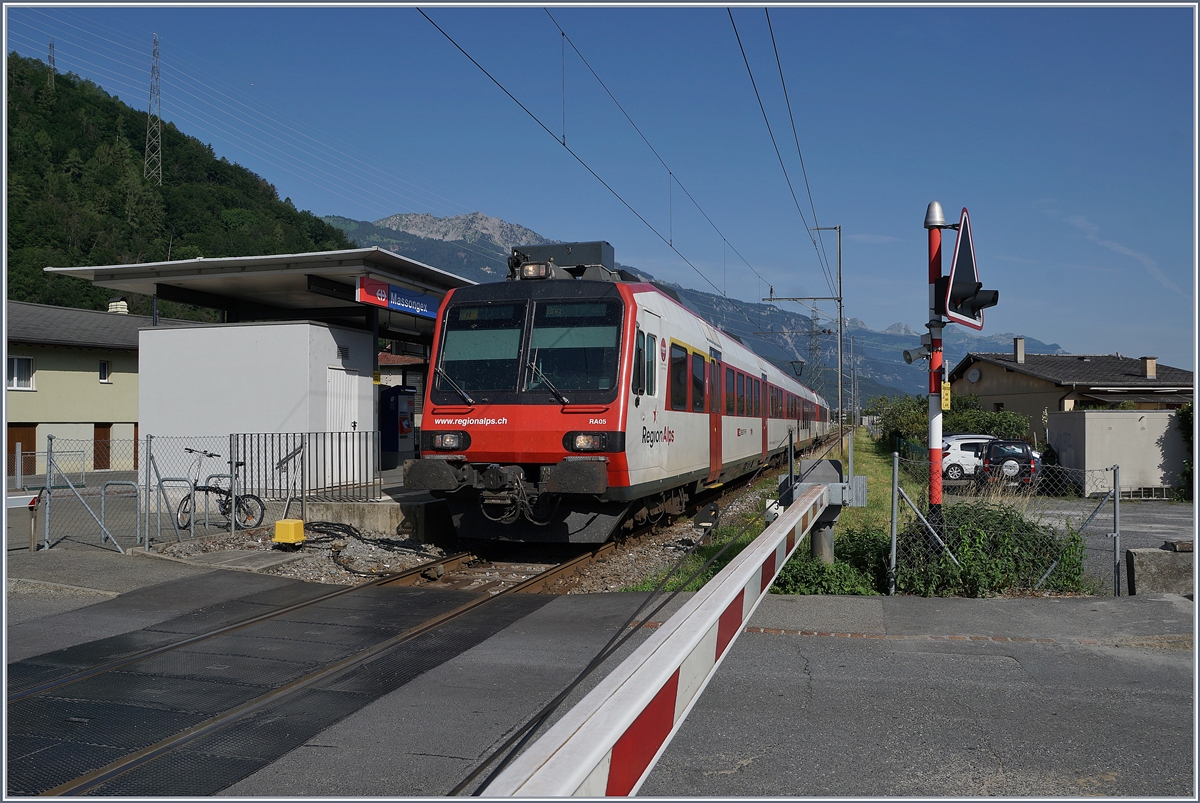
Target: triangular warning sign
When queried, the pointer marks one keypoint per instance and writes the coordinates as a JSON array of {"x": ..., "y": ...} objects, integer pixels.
[{"x": 963, "y": 283}]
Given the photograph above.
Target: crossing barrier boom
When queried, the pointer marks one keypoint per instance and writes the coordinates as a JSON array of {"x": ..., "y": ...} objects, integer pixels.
[{"x": 608, "y": 743}]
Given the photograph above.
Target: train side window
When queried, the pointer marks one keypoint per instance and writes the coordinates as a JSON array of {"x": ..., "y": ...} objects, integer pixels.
[
  {"x": 698, "y": 383},
  {"x": 651, "y": 370},
  {"x": 730, "y": 392},
  {"x": 757, "y": 399},
  {"x": 639, "y": 364},
  {"x": 741, "y": 391},
  {"x": 679, "y": 378}
]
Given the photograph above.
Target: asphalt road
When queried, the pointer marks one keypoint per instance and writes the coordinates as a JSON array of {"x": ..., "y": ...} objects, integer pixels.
[{"x": 911, "y": 714}]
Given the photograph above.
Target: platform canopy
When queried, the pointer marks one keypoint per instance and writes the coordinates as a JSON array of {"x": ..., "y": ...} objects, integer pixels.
[{"x": 320, "y": 286}]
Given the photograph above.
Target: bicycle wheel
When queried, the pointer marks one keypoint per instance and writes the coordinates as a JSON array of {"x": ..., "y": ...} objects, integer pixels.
[
  {"x": 183, "y": 513},
  {"x": 250, "y": 511}
]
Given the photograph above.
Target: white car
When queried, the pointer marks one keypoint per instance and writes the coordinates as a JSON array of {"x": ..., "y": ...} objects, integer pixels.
[{"x": 963, "y": 454}]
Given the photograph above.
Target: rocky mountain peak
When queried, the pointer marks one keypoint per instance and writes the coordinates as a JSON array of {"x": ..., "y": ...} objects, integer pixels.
[{"x": 473, "y": 227}]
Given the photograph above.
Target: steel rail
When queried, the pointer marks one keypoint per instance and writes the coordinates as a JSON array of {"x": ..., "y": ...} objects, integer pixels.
[
  {"x": 89, "y": 781},
  {"x": 406, "y": 577}
]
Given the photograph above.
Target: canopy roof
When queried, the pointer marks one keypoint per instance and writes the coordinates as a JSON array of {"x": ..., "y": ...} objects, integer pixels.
[{"x": 318, "y": 285}]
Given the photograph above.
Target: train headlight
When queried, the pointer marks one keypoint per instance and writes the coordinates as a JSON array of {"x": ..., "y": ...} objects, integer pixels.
[
  {"x": 535, "y": 270},
  {"x": 588, "y": 442},
  {"x": 449, "y": 441}
]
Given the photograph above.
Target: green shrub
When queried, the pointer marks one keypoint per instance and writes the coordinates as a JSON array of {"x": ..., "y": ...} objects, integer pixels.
[
  {"x": 804, "y": 574},
  {"x": 997, "y": 548}
]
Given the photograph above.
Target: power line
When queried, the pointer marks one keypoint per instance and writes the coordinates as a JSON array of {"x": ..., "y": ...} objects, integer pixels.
[
  {"x": 657, "y": 155},
  {"x": 787, "y": 178},
  {"x": 584, "y": 164},
  {"x": 568, "y": 149},
  {"x": 262, "y": 149},
  {"x": 278, "y": 128},
  {"x": 796, "y": 136}
]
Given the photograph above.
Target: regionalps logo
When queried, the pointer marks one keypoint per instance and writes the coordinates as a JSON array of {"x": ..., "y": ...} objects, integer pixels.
[{"x": 664, "y": 436}]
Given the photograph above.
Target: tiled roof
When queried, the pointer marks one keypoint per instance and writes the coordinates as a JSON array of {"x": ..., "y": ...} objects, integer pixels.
[
  {"x": 1088, "y": 370},
  {"x": 43, "y": 324}
]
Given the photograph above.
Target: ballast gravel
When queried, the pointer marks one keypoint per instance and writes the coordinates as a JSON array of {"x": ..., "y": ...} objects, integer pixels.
[
  {"x": 372, "y": 554},
  {"x": 637, "y": 560},
  {"x": 634, "y": 560}
]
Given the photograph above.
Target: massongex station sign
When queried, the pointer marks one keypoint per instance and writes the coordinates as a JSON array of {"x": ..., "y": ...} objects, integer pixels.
[{"x": 389, "y": 296}]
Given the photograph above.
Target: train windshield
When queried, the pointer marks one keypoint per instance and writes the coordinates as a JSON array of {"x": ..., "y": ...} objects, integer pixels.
[
  {"x": 482, "y": 349},
  {"x": 574, "y": 345}
]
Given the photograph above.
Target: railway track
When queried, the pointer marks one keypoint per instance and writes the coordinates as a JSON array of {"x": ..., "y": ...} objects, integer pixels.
[
  {"x": 480, "y": 583},
  {"x": 472, "y": 582}
]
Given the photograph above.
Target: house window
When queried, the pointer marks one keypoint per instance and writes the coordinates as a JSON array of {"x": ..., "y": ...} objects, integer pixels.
[
  {"x": 20, "y": 373},
  {"x": 998, "y": 407},
  {"x": 104, "y": 376}
]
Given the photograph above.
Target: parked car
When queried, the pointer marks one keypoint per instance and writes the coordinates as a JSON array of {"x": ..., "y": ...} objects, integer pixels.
[
  {"x": 963, "y": 454},
  {"x": 1008, "y": 464}
]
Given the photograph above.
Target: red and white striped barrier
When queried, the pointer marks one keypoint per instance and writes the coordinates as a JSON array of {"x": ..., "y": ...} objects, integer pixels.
[{"x": 607, "y": 744}]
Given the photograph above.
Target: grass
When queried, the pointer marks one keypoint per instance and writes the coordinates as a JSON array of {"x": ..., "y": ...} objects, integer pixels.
[{"x": 732, "y": 528}]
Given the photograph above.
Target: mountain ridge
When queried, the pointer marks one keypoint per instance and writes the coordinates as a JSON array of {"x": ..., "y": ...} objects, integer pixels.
[{"x": 781, "y": 336}]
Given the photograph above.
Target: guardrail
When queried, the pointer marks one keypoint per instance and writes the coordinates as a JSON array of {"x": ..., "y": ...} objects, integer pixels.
[{"x": 608, "y": 743}]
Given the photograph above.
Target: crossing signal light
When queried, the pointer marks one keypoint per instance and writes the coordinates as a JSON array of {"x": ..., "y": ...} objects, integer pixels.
[{"x": 964, "y": 299}]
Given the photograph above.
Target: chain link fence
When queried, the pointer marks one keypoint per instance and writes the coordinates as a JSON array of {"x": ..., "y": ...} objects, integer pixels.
[
  {"x": 1057, "y": 530},
  {"x": 122, "y": 494}
]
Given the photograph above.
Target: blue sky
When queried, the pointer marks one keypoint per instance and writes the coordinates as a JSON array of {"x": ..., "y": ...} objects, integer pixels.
[{"x": 1067, "y": 132}]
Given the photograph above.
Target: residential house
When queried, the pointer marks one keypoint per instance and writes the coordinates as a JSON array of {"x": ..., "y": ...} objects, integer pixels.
[
  {"x": 73, "y": 373},
  {"x": 1036, "y": 385}
]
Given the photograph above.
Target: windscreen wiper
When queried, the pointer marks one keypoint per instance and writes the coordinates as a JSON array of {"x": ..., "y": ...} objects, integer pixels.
[
  {"x": 466, "y": 396},
  {"x": 548, "y": 383}
]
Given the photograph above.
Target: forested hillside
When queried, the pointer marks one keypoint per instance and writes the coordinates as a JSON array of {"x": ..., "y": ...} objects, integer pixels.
[{"x": 77, "y": 196}]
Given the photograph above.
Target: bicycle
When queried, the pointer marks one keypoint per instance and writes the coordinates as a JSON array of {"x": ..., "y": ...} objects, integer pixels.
[{"x": 250, "y": 508}]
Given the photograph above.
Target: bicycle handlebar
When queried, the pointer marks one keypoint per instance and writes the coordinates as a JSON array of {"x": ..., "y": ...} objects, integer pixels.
[{"x": 200, "y": 451}]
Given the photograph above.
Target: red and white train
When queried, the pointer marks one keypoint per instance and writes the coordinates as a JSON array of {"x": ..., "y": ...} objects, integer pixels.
[{"x": 568, "y": 401}]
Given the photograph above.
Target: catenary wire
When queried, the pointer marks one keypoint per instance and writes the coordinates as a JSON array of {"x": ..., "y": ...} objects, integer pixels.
[
  {"x": 796, "y": 137},
  {"x": 653, "y": 150},
  {"x": 787, "y": 178},
  {"x": 582, "y": 163}
]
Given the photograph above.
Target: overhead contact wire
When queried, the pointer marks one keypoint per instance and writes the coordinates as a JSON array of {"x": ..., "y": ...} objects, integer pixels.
[
  {"x": 779, "y": 155},
  {"x": 796, "y": 137},
  {"x": 661, "y": 161}
]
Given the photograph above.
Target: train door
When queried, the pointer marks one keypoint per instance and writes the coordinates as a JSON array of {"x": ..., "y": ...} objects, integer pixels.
[
  {"x": 649, "y": 414},
  {"x": 761, "y": 406},
  {"x": 714, "y": 420}
]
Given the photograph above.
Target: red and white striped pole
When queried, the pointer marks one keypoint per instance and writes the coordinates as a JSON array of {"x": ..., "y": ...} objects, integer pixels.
[{"x": 935, "y": 221}]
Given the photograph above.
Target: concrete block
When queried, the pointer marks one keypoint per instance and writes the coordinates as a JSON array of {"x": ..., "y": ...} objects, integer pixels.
[
  {"x": 1159, "y": 571},
  {"x": 427, "y": 522}
]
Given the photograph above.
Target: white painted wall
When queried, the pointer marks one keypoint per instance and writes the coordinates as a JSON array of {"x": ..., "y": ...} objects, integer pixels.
[
  {"x": 247, "y": 377},
  {"x": 1145, "y": 443}
]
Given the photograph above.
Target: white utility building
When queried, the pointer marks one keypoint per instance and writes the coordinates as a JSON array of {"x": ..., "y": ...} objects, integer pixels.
[{"x": 217, "y": 379}]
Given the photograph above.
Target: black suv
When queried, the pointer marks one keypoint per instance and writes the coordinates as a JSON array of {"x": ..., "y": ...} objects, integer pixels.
[{"x": 1008, "y": 464}]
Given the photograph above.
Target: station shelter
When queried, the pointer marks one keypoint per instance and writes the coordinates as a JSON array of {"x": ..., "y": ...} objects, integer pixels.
[{"x": 297, "y": 345}]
